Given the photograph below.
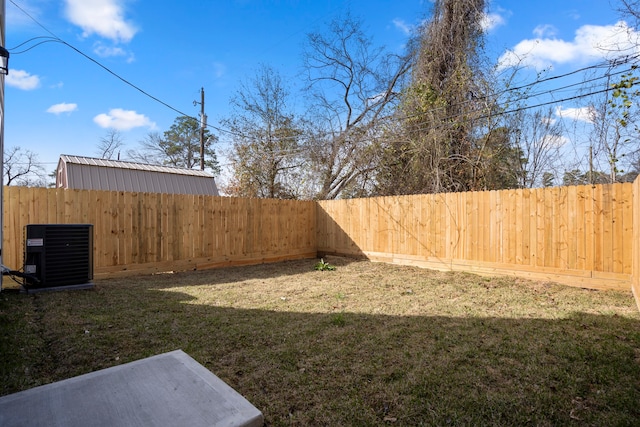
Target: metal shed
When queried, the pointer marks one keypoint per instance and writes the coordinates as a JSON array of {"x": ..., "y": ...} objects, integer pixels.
[{"x": 87, "y": 173}]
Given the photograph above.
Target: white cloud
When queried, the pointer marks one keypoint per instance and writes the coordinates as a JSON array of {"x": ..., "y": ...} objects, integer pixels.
[
  {"x": 22, "y": 80},
  {"x": 102, "y": 17},
  {"x": 583, "y": 114},
  {"x": 219, "y": 69},
  {"x": 120, "y": 119},
  {"x": 490, "y": 21},
  {"x": 107, "y": 51},
  {"x": 545, "y": 30},
  {"x": 62, "y": 108},
  {"x": 591, "y": 42},
  {"x": 405, "y": 28},
  {"x": 104, "y": 51},
  {"x": 573, "y": 14},
  {"x": 553, "y": 141},
  {"x": 548, "y": 121}
]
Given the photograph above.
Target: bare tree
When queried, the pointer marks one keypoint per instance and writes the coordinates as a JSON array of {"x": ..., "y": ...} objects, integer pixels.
[
  {"x": 110, "y": 145},
  {"x": 351, "y": 85},
  {"x": 149, "y": 150},
  {"x": 266, "y": 156},
  {"x": 538, "y": 137},
  {"x": 21, "y": 167},
  {"x": 631, "y": 9}
]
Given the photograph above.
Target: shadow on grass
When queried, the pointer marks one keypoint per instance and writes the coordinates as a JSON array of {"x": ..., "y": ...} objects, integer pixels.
[
  {"x": 338, "y": 368},
  {"x": 216, "y": 276}
]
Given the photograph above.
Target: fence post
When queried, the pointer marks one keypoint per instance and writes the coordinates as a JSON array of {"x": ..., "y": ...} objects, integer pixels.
[{"x": 635, "y": 252}]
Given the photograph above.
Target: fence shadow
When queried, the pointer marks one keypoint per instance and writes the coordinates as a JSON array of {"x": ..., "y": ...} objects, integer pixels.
[{"x": 225, "y": 275}]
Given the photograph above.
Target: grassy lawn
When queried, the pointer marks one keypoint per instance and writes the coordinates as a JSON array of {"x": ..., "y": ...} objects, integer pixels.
[{"x": 366, "y": 344}]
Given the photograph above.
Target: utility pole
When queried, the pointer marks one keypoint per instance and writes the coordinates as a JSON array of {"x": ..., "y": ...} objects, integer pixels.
[
  {"x": 591, "y": 164},
  {"x": 2, "y": 40},
  {"x": 203, "y": 124}
]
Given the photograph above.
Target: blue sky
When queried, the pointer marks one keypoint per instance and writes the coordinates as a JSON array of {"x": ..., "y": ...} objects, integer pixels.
[{"x": 59, "y": 102}]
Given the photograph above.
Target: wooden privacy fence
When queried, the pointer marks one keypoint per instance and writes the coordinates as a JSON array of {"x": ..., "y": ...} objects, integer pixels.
[
  {"x": 579, "y": 235},
  {"x": 147, "y": 232},
  {"x": 585, "y": 236}
]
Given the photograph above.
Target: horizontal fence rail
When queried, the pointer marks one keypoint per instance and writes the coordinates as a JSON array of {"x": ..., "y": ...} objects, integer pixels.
[
  {"x": 578, "y": 235},
  {"x": 148, "y": 232}
]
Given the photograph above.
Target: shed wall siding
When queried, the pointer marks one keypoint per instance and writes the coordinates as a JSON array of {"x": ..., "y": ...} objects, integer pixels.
[
  {"x": 87, "y": 177},
  {"x": 93, "y": 177}
]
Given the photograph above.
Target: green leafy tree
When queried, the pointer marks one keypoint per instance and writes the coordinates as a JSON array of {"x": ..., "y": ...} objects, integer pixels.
[
  {"x": 179, "y": 146},
  {"x": 577, "y": 177},
  {"x": 620, "y": 129}
]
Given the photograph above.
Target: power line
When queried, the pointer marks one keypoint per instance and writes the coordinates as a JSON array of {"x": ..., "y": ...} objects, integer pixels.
[
  {"x": 55, "y": 38},
  {"x": 610, "y": 64},
  {"x": 495, "y": 95}
]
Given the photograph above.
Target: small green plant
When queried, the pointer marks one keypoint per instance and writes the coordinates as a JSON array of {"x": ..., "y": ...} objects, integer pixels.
[
  {"x": 324, "y": 266},
  {"x": 339, "y": 320}
]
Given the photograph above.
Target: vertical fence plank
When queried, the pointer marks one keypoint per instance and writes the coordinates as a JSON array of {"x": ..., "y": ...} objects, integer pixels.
[
  {"x": 483, "y": 222},
  {"x": 533, "y": 234},
  {"x": 562, "y": 221},
  {"x": 11, "y": 251},
  {"x": 590, "y": 229},
  {"x": 598, "y": 236},
  {"x": 635, "y": 250},
  {"x": 366, "y": 214},
  {"x": 607, "y": 228},
  {"x": 628, "y": 207},
  {"x": 518, "y": 228},
  {"x": 617, "y": 227},
  {"x": 452, "y": 234},
  {"x": 580, "y": 220},
  {"x": 571, "y": 234},
  {"x": 526, "y": 226},
  {"x": 509, "y": 224},
  {"x": 499, "y": 226}
]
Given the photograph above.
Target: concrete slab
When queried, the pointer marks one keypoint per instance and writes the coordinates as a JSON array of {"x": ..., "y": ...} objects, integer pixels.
[{"x": 169, "y": 389}]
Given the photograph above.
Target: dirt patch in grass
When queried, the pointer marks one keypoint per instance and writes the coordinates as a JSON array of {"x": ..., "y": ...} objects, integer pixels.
[{"x": 365, "y": 344}]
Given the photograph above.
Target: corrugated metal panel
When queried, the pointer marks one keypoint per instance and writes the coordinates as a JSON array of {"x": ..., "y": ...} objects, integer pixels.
[
  {"x": 121, "y": 164},
  {"x": 98, "y": 174}
]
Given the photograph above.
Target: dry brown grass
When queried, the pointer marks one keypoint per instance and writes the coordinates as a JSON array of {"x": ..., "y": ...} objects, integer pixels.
[{"x": 366, "y": 344}]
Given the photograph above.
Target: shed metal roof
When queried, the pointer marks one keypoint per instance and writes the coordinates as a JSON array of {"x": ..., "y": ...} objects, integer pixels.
[
  {"x": 118, "y": 175},
  {"x": 122, "y": 164}
]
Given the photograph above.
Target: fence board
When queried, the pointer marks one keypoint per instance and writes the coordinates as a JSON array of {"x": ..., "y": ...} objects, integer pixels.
[
  {"x": 628, "y": 229},
  {"x": 635, "y": 259},
  {"x": 617, "y": 226}
]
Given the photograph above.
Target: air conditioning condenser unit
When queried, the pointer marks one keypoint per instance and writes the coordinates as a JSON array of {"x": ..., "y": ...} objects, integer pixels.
[{"x": 57, "y": 255}]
